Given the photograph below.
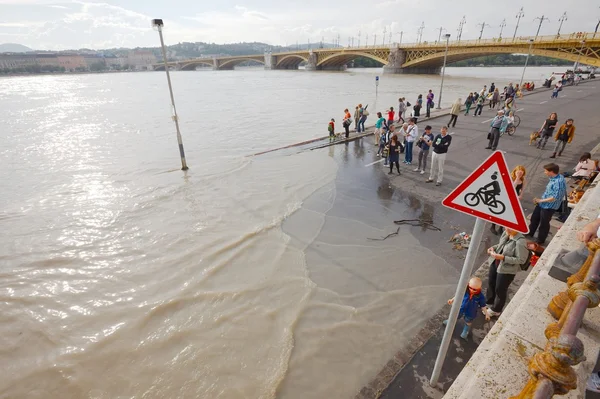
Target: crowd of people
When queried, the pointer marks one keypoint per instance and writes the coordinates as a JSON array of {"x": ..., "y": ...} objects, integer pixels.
[{"x": 397, "y": 134}]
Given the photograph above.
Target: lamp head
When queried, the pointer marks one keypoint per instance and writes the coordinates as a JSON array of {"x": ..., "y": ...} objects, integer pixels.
[
  {"x": 157, "y": 23},
  {"x": 447, "y": 35}
]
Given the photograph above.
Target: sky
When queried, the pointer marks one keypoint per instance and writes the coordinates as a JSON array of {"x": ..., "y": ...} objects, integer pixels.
[{"x": 74, "y": 24}]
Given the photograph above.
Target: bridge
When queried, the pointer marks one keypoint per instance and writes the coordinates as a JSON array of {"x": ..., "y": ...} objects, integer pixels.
[{"x": 424, "y": 57}]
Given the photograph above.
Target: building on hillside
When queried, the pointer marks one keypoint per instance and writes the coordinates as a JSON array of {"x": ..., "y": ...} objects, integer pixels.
[
  {"x": 141, "y": 60},
  {"x": 116, "y": 62},
  {"x": 94, "y": 61},
  {"x": 71, "y": 62},
  {"x": 47, "y": 60},
  {"x": 17, "y": 60}
]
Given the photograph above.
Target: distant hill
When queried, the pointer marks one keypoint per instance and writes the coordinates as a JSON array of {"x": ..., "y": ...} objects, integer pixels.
[{"x": 13, "y": 48}]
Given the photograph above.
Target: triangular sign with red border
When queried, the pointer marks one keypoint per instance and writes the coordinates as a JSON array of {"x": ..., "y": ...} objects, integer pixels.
[{"x": 489, "y": 193}]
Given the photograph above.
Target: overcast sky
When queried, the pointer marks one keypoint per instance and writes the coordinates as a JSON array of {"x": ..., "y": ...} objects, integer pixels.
[{"x": 55, "y": 25}]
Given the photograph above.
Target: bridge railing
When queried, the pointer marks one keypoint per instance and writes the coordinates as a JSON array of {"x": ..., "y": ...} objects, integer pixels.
[{"x": 578, "y": 36}]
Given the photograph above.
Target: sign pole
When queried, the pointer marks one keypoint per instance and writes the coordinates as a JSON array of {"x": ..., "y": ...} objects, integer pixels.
[
  {"x": 460, "y": 292},
  {"x": 376, "y": 85}
]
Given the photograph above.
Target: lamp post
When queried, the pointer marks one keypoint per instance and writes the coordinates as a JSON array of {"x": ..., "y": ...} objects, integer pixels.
[
  {"x": 562, "y": 19},
  {"x": 447, "y": 36},
  {"x": 462, "y": 23},
  {"x": 158, "y": 23},
  {"x": 502, "y": 25},
  {"x": 542, "y": 19},
  {"x": 519, "y": 16},
  {"x": 526, "y": 61},
  {"x": 483, "y": 25},
  {"x": 440, "y": 35},
  {"x": 421, "y": 29},
  {"x": 579, "y": 56},
  {"x": 401, "y": 33},
  {"x": 384, "y": 30}
]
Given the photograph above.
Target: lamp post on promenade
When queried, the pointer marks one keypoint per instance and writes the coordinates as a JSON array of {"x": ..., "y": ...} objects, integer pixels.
[
  {"x": 526, "y": 61},
  {"x": 447, "y": 36},
  {"x": 158, "y": 24}
]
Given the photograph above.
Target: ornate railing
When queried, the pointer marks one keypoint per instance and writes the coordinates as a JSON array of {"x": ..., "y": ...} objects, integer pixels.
[{"x": 551, "y": 372}]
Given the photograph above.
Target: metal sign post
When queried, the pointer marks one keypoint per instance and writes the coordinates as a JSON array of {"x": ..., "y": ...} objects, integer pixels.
[
  {"x": 488, "y": 194},
  {"x": 460, "y": 292},
  {"x": 376, "y": 85}
]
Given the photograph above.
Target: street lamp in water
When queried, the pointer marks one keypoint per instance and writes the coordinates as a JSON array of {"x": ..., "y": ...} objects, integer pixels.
[
  {"x": 526, "y": 61},
  {"x": 447, "y": 36},
  {"x": 158, "y": 24}
]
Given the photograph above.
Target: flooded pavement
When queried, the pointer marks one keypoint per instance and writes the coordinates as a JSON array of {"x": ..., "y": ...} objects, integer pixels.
[{"x": 371, "y": 296}]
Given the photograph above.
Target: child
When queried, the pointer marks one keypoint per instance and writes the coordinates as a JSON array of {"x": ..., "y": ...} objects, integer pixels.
[
  {"x": 331, "y": 129},
  {"x": 472, "y": 300}
]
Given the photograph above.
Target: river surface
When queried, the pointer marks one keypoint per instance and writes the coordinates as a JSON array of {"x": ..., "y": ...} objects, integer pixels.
[{"x": 123, "y": 277}]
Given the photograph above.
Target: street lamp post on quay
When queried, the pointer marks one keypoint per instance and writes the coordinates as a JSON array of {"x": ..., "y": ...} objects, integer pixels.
[
  {"x": 447, "y": 36},
  {"x": 579, "y": 56},
  {"x": 158, "y": 24},
  {"x": 526, "y": 61}
]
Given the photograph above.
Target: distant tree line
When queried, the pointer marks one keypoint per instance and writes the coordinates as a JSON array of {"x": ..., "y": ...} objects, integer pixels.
[
  {"x": 509, "y": 60},
  {"x": 489, "y": 60},
  {"x": 32, "y": 69}
]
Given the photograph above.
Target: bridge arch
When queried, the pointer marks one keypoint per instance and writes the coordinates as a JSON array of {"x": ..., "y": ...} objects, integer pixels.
[
  {"x": 190, "y": 66},
  {"x": 290, "y": 61},
  {"x": 339, "y": 59},
  {"x": 229, "y": 64},
  {"x": 436, "y": 59}
]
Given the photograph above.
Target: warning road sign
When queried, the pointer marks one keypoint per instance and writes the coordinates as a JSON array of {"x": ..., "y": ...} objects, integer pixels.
[{"x": 488, "y": 193}]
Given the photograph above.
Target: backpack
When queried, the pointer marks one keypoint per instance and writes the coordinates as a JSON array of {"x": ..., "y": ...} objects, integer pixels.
[
  {"x": 330, "y": 128},
  {"x": 525, "y": 265},
  {"x": 365, "y": 112}
]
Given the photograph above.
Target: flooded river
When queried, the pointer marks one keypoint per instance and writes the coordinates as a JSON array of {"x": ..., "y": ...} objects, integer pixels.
[{"x": 123, "y": 277}]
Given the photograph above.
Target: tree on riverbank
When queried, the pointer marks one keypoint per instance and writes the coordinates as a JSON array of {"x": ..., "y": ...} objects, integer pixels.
[{"x": 510, "y": 60}]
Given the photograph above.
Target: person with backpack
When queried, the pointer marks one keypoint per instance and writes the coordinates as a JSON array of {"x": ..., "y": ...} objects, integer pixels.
[
  {"x": 507, "y": 258},
  {"x": 380, "y": 125},
  {"x": 468, "y": 103},
  {"x": 401, "y": 109},
  {"x": 331, "y": 129},
  {"x": 417, "y": 107},
  {"x": 479, "y": 108},
  {"x": 362, "y": 117}
]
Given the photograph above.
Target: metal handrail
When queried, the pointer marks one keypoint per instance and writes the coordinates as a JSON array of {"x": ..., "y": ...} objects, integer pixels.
[{"x": 551, "y": 371}]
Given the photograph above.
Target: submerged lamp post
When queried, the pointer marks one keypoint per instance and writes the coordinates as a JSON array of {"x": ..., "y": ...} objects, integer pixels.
[
  {"x": 158, "y": 24},
  {"x": 447, "y": 36},
  {"x": 526, "y": 61}
]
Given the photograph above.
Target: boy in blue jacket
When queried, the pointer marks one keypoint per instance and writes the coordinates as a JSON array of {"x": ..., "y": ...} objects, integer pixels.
[{"x": 471, "y": 302}]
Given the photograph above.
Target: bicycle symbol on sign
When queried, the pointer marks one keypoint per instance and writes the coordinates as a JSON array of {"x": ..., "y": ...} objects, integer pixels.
[{"x": 487, "y": 194}]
